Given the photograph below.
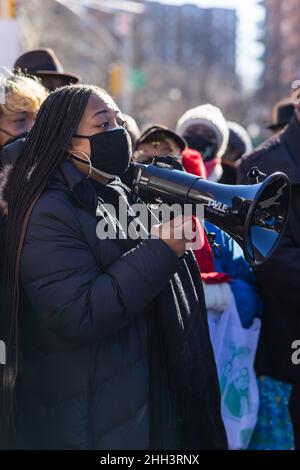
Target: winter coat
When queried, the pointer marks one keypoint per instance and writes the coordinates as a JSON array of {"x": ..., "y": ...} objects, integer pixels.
[{"x": 84, "y": 376}]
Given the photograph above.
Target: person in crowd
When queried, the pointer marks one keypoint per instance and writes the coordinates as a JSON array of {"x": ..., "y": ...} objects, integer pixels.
[
  {"x": 158, "y": 140},
  {"x": 22, "y": 98},
  {"x": 44, "y": 64},
  {"x": 239, "y": 144},
  {"x": 279, "y": 277},
  {"x": 205, "y": 129},
  {"x": 107, "y": 339},
  {"x": 282, "y": 113},
  {"x": 20, "y": 101}
]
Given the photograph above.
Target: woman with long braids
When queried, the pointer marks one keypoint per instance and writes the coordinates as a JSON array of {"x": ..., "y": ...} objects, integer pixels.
[{"x": 107, "y": 340}]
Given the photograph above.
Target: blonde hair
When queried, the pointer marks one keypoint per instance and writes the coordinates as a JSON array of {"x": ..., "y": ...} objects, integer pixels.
[{"x": 20, "y": 93}]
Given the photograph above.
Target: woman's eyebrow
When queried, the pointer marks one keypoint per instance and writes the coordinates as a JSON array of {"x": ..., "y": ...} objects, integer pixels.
[{"x": 101, "y": 111}]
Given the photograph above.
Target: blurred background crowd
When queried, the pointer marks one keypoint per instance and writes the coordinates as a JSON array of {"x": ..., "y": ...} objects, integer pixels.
[{"x": 205, "y": 82}]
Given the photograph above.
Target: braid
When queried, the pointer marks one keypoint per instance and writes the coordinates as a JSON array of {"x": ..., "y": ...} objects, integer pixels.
[{"x": 44, "y": 149}]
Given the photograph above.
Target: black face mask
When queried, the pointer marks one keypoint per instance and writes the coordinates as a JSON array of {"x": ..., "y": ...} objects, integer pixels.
[
  {"x": 207, "y": 149},
  {"x": 111, "y": 151}
]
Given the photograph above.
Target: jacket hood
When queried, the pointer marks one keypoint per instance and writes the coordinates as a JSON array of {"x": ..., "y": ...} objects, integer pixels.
[{"x": 211, "y": 117}]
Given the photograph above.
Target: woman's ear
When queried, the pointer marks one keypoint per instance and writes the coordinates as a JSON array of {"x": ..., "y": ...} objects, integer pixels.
[
  {"x": 80, "y": 145},
  {"x": 72, "y": 145}
]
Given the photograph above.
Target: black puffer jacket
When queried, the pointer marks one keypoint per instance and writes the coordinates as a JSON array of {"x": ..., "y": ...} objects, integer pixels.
[{"x": 84, "y": 379}]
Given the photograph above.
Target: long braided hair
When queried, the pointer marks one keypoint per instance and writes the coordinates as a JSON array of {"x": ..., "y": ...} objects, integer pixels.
[{"x": 44, "y": 149}]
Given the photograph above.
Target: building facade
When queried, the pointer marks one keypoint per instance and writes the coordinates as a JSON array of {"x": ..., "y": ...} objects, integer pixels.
[
  {"x": 282, "y": 48},
  {"x": 187, "y": 35}
]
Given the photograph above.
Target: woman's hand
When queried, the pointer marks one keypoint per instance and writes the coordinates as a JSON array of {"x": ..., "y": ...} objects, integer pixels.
[{"x": 177, "y": 234}]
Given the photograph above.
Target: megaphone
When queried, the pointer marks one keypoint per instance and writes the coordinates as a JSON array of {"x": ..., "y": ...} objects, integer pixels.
[{"x": 254, "y": 216}]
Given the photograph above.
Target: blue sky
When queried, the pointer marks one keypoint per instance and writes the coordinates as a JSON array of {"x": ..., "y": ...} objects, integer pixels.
[{"x": 248, "y": 50}]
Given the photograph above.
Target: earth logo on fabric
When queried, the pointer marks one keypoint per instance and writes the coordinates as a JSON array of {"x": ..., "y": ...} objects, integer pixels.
[{"x": 234, "y": 383}]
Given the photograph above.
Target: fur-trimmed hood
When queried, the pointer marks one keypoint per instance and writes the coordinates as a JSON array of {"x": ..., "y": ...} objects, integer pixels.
[{"x": 4, "y": 179}]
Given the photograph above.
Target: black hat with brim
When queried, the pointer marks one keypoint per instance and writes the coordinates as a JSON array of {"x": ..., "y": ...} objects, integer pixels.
[
  {"x": 44, "y": 63},
  {"x": 282, "y": 114},
  {"x": 64, "y": 77}
]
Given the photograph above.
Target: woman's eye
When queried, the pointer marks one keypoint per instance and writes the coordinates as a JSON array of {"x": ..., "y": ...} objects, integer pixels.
[{"x": 104, "y": 125}]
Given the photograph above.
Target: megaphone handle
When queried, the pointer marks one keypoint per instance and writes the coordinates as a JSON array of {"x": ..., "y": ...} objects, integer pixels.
[
  {"x": 255, "y": 176},
  {"x": 211, "y": 237},
  {"x": 216, "y": 250},
  {"x": 216, "y": 247}
]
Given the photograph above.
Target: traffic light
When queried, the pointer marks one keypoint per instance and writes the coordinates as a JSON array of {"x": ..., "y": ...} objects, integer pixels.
[
  {"x": 115, "y": 80},
  {"x": 12, "y": 8},
  {"x": 138, "y": 79},
  {"x": 7, "y": 8}
]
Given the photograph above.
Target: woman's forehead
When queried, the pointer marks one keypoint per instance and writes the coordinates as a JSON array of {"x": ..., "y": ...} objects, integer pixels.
[{"x": 99, "y": 102}]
